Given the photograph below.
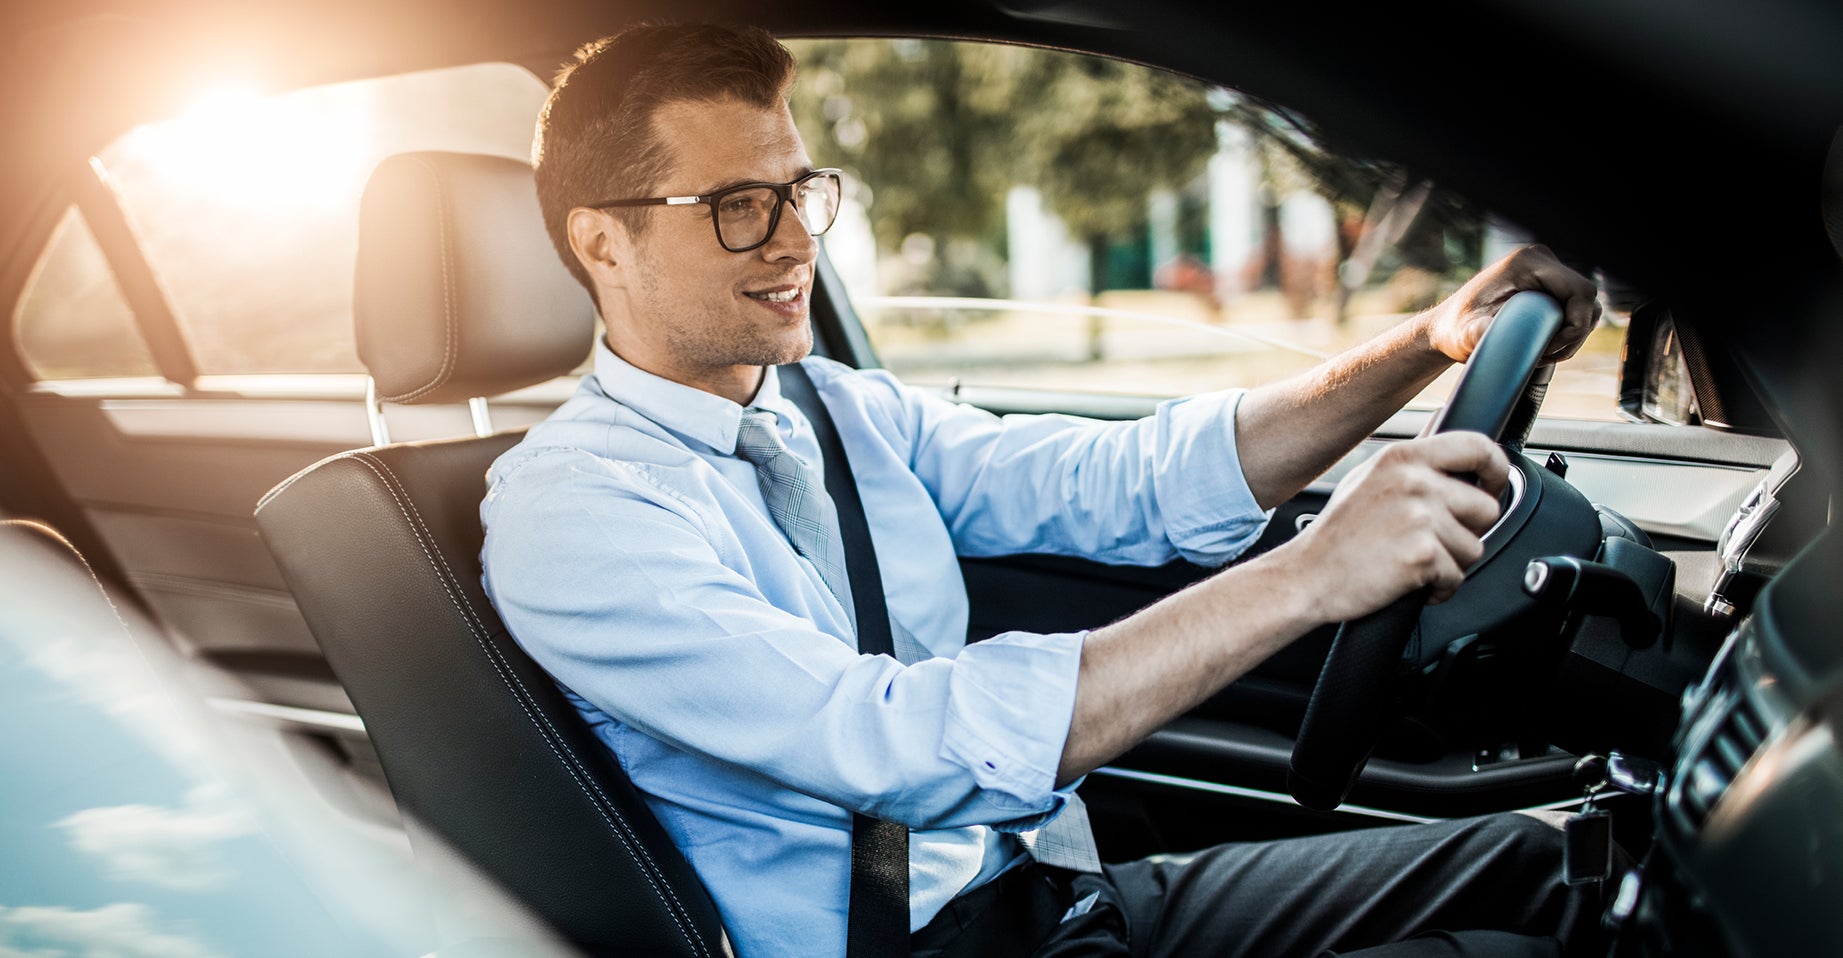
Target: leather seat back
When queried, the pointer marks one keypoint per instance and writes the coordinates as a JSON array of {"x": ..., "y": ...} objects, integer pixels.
[{"x": 381, "y": 548}]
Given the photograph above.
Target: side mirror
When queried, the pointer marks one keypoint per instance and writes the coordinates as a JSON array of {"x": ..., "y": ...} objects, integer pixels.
[{"x": 1654, "y": 375}]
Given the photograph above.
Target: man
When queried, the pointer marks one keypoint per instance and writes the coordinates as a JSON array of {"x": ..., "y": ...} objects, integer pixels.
[{"x": 634, "y": 549}]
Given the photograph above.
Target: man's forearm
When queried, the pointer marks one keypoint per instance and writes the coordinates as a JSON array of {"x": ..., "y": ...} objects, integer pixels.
[
  {"x": 1291, "y": 431},
  {"x": 1141, "y": 672},
  {"x": 1399, "y": 523}
]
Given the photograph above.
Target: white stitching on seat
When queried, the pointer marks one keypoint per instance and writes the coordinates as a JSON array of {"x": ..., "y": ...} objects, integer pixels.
[
  {"x": 590, "y": 787},
  {"x": 450, "y": 337},
  {"x": 597, "y": 798}
]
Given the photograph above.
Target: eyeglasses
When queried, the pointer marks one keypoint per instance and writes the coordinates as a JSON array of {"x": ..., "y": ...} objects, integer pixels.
[{"x": 746, "y": 216}]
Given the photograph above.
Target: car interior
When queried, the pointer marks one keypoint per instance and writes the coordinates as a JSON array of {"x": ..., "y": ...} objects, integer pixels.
[
  {"x": 1651, "y": 632},
  {"x": 380, "y": 545}
]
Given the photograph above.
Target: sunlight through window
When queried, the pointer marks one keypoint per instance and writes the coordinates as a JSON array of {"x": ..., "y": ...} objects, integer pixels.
[{"x": 239, "y": 148}]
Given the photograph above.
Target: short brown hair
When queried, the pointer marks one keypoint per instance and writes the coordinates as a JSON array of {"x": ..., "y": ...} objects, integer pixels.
[{"x": 595, "y": 137}]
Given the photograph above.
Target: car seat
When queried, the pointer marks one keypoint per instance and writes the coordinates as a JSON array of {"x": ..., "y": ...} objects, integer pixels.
[{"x": 459, "y": 295}]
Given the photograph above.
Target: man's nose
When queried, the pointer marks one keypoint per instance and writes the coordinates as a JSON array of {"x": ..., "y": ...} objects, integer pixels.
[{"x": 791, "y": 239}]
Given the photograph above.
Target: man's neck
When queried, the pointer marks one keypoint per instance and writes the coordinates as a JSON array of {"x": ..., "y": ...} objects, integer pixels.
[{"x": 738, "y": 384}]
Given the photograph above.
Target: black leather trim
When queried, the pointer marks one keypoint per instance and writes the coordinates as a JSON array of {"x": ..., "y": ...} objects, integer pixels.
[
  {"x": 381, "y": 547},
  {"x": 1232, "y": 752}
]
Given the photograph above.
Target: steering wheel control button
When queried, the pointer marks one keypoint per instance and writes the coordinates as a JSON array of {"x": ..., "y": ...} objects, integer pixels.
[
  {"x": 1581, "y": 587},
  {"x": 1536, "y": 578}
]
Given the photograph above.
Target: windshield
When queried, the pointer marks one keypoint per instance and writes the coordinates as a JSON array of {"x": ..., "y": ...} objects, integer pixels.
[{"x": 1130, "y": 231}]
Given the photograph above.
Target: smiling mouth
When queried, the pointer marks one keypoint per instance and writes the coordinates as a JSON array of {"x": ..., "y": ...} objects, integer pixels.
[{"x": 776, "y": 295}]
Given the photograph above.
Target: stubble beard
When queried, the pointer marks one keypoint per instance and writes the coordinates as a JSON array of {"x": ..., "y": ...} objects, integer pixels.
[{"x": 713, "y": 344}]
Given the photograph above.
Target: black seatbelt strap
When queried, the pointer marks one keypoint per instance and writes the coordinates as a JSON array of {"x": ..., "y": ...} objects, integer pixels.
[{"x": 879, "y": 916}]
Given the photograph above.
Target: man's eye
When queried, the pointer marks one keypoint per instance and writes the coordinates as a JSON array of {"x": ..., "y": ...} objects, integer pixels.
[{"x": 738, "y": 205}]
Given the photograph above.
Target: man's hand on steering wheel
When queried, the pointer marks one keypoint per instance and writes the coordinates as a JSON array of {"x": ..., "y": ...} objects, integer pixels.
[
  {"x": 1353, "y": 699},
  {"x": 1400, "y": 521},
  {"x": 1456, "y": 324}
]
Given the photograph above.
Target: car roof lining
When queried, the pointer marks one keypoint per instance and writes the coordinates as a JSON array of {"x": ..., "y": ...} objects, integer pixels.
[
  {"x": 1371, "y": 76},
  {"x": 1585, "y": 129}
]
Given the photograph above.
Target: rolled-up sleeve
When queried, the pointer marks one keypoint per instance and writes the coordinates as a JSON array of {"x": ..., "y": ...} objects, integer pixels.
[
  {"x": 1209, "y": 513},
  {"x": 646, "y": 608},
  {"x": 998, "y": 697}
]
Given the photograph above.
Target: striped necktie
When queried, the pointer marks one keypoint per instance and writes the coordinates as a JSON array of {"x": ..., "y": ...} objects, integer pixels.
[{"x": 797, "y": 501}]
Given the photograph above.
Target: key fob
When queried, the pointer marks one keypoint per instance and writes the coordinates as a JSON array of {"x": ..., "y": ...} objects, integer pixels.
[{"x": 1587, "y": 847}]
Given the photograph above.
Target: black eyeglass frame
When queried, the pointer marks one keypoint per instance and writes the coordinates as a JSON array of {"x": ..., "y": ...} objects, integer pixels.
[{"x": 784, "y": 193}]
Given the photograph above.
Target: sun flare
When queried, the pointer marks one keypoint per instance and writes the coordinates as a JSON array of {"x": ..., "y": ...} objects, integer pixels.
[{"x": 236, "y": 147}]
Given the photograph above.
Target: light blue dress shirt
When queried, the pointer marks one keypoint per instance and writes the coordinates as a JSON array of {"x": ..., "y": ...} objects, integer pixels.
[{"x": 630, "y": 553}]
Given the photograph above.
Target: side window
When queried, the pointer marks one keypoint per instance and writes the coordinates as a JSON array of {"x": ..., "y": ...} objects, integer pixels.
[
  {"x": 73, "y": 322},
  {"x": 246, "y": 207},
  {"x": 1036, "y": 219}
]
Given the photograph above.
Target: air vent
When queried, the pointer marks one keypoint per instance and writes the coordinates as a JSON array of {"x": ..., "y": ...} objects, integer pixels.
[{"x": 1731, "y": 743}]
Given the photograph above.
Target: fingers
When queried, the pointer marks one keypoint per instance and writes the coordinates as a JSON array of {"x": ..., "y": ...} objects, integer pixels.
[
  {"x": 1402, "y": 521},
  {"x": 1580, "y": 313},
  {"x": 1437, "y": 549},
  {"x": 1445, "y": 580},
  {"x": 1579, "y": 317},
  {"x": 1460, "y": 540},
  {"x": 1442, "y": 536},
  {"x": 1462, "y": 453},
  {"x": 1471, "y": 507},
  {"x": 1458, "y": 323},
  {"x": 1536, "y": 267}
]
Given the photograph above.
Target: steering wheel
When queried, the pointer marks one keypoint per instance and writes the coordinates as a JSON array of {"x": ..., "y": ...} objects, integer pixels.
[{"x": 1353, "y": 698}]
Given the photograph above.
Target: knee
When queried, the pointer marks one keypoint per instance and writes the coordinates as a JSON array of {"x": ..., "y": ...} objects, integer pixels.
[
  {"x": 1538, "y": 827},
  {"x": 1532, "y": 836}
]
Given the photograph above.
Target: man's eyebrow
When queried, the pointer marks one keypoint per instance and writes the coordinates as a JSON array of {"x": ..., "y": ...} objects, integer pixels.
[{"x": 745, "y": 181}]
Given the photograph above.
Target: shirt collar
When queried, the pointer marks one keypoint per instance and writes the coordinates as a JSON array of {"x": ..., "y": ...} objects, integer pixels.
[{"x": 689, "y": 412}]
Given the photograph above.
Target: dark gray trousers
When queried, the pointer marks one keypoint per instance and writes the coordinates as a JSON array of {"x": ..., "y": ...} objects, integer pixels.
[{"x": 1476, "y": 887}]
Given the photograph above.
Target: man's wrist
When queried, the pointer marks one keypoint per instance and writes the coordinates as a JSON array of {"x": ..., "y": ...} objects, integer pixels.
[
  {"x": 1296, "y": 586},
  {"x": 1427, "y": 336}
]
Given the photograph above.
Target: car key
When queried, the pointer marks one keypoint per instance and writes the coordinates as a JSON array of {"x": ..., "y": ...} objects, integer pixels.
[{"x": 1587, "y": 843}]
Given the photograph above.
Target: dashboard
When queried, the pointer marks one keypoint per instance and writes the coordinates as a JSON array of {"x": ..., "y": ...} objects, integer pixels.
[{"x": 1748, "y": 851}]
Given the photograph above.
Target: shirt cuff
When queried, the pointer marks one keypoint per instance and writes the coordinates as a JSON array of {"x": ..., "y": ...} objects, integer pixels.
[
  {"x": 1209, "y": 512},
  {"x": 1059, "y": 802},
  {"x": 1009, "y": 704}
]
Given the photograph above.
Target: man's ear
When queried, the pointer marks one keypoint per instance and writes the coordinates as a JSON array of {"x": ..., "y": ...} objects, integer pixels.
[{"x": 600, "y": 241}]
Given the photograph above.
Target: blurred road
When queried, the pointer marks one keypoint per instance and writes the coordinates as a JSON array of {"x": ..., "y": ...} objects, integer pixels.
[{"x": 1157, "y": 343}]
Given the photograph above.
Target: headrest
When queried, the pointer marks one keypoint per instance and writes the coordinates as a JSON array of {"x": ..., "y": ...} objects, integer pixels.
[{"x": 459, "y": 292}]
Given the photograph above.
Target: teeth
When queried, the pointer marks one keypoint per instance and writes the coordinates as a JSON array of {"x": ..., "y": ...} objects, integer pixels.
[{"x": 781, "y": 296}]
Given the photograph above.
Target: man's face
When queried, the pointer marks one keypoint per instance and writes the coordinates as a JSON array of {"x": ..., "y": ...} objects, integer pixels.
[{"x": 688, "y": 309}]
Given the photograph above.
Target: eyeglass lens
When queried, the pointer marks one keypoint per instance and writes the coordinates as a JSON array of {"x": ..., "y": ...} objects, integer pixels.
[{"x": 745, "y": 217}]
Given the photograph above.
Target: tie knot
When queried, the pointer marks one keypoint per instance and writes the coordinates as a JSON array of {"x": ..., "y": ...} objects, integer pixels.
[{"x": 757, "y": 439}]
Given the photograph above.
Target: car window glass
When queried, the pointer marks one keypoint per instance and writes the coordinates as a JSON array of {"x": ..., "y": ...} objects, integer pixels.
[
  {"x": 247, "y": 207},
  {"x": 73, "y": 322},
  {"x": 1029, "y": 218}
]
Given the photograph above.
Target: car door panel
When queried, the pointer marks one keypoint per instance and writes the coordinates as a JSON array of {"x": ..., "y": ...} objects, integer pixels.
[
  {"x": 172, "y": 504},
  {"x": 169, "y": 482},
  {"x": 170, "y": 485}
]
